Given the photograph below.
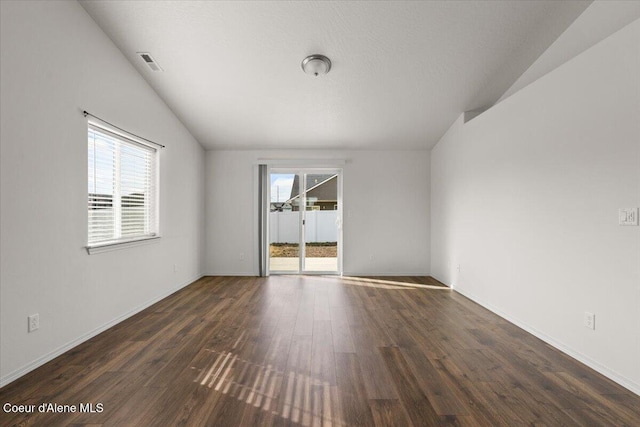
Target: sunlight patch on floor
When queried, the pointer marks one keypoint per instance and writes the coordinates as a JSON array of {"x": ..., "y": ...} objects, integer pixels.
[
  {"x": 380, "y": 283},
  {"x": 291, "y": 395}
]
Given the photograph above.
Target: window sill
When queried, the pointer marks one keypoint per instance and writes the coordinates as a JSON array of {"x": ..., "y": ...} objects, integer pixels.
[{"x": 115, "y": 246}]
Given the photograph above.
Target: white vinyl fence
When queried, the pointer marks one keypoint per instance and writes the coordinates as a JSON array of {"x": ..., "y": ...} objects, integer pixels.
[{"x": 320, "y": 226}]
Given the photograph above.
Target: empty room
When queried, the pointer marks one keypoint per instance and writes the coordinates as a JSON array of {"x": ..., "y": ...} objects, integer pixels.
[{"x": 319, "y": 213}]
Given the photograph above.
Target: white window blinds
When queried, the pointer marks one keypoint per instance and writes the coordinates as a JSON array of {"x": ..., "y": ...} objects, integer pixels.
[{"x": 122, "y": 202}]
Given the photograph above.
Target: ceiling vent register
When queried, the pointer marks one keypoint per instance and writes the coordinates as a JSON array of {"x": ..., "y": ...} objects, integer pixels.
[{"x": 148, "y": 59}]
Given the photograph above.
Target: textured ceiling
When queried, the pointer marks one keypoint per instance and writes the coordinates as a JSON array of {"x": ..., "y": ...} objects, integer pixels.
[{"x": 402, "y": 71}]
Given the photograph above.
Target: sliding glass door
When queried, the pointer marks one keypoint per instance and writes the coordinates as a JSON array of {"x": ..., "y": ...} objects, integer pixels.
[
  {"x": 284, "y": 224},
  {"x": 305, "y": 221},
  {"x": 321, "y": 222}
]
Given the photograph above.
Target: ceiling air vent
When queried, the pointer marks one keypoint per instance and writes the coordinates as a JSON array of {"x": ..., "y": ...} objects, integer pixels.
[{"x": 151, "y": 63}]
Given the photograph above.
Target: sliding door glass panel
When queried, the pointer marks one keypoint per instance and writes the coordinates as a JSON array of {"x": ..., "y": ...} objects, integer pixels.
[
  {"x": 321, "y": 222},
  {"x": 284, "y": 223}
]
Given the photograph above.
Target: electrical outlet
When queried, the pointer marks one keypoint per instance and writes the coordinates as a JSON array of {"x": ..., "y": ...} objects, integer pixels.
[
  {"x": 175, "y": 268},
  {"x": 34, "y": 322},
  {"x": 458, "y": 268},
  {"x": 590, "y": 320},
  {"x": 241, "y": 256}
]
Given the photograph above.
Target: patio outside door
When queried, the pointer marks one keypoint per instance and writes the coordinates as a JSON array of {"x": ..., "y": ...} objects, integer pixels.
[{"x": 305, "y": 221}]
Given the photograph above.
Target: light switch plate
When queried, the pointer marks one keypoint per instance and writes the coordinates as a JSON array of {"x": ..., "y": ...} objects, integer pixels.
[{"x": 628, "y": 216}]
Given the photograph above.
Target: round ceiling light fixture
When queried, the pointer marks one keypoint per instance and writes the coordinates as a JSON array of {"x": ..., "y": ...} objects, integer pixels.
[{"x": 316, "y": 65}]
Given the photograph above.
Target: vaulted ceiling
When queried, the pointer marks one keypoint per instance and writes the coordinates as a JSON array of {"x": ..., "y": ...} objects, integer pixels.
[{"x": 402, "y": 71}]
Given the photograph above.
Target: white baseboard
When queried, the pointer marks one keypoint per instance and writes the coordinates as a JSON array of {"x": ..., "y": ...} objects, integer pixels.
[
  {"x": 236, "y": 273},
  {"x": 12, "y": 376},
  {"x": 596, "y": 366}
]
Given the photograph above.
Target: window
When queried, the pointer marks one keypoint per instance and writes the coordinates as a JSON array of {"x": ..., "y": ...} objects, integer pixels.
[{"x": 122, "y": 178}]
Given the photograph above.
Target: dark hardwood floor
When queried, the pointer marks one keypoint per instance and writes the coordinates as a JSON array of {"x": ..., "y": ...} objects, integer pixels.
[{"x": 307, "y": 351}]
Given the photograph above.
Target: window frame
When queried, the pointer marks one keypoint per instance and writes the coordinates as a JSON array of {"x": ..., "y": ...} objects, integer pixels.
[{"x": 123, "y": 138}]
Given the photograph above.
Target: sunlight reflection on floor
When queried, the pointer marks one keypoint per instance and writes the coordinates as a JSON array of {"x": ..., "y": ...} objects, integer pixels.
[
  {"x": 381, "y": 283},
  {"x": 303, "y": 399},
  {"x": 365, "y": 282}
]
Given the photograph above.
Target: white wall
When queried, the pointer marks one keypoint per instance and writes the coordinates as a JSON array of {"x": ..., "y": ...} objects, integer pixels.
[
  {"x": 386, "y": 201},
  {"x": 525, "y": 200},
  {"x": 55, "y": 62}
]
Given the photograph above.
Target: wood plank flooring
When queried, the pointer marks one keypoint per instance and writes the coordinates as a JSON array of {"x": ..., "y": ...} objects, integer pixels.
[{"x": 319, "y": 351}]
